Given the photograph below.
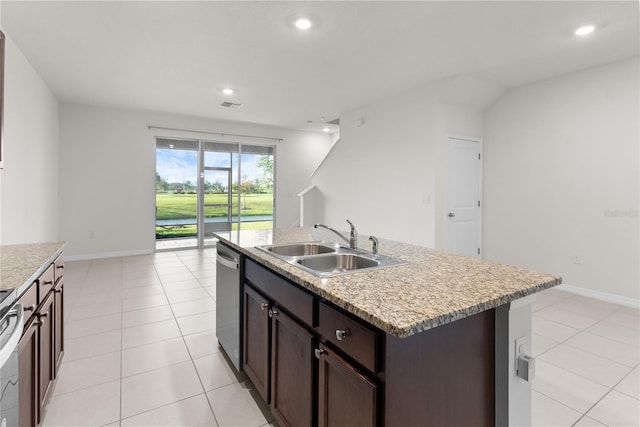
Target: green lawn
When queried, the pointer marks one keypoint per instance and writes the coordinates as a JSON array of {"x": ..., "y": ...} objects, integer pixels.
[{"x": 183, "y": 206}]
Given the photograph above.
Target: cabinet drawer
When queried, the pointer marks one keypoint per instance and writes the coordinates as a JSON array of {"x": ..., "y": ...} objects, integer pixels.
[
  {"x": 59, "y": 268},
  {"x": 295, "y": 300},
  {"x": 45, "y": 283},
  {"x": 29, "y": 301},
  {"x": 355, "y": 339}
]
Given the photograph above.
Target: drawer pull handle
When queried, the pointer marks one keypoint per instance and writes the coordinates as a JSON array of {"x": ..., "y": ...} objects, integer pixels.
[
  {"x": 320, "y": 352},
  {"x": 41, "y": 315},
  {"x": 58, "y": 291},
  {"x": 30, "y": 308},
  {"x": 60, "y": 266},
  {"x": 341, "y": 334},
  {"x": 273, "y": 312},
  {"x": 48, "y": 282},
  {"x": 264, "y": 306}
]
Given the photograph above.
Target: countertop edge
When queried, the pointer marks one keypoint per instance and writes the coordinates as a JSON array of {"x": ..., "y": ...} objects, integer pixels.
[
  {"x": 402, "y": 331},
  {"x": 47, "y": 260},
  {"x": 22, "y": 288}
]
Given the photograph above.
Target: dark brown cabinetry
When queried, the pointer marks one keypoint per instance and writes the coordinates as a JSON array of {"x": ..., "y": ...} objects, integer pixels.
[
  {"x": 41, "y": 346},
  {"x": 361, "y": 376},
  {"x": 58, "y": 315},
  {"x": 346, "y": 397},
  {"x": 291, "y": 371},
  {"x": 282, "y": 357},
  {"x": 28, "y": 374},
  {"x": 257, "y": 339},
  {"x": 46, "y": 339}
]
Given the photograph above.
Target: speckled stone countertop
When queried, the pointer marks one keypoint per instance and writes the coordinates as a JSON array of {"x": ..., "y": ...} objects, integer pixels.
[
  {"x": 20, "y": 265},
  {"x": 433, "y": 288}
]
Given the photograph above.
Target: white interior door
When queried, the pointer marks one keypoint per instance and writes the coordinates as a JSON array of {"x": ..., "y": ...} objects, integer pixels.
[{"x": 463, "y": 196}]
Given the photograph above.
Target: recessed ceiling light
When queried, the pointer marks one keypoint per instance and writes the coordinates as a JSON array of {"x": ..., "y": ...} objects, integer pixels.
[
  {"x": 228, "y": 91},
  {"x": 585, "y": 30},
  {"x": 325, "y": 129},
  {"x": 303, "y": 23}
]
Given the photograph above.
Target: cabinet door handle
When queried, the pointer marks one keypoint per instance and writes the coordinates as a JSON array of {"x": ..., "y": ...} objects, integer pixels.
[
  {"x": 30, "y": 308},
  {"x": 341, "y": 334},
  {"x": 273, "y": 312},
  {"x": 58, "y": 291},
  {"x": 320, "y": 352},
  {"x": 48, "y": 282},
  {"x": 60, "y": 266},
  {"x": 264, "y": 306},
  {"x": 41, "y": 318}
]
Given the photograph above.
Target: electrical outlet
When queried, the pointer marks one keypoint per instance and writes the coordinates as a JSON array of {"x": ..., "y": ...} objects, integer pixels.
[{"x": 525, "y": 364}]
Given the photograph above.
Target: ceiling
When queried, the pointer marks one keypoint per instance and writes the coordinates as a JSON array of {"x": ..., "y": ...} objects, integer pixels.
[{"x": 177, "y": 56}]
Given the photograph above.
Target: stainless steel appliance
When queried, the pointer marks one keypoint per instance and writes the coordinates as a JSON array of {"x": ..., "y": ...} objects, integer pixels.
[
  {"x": 11, "y": 326},
  {"x": 228, "y": 303}
]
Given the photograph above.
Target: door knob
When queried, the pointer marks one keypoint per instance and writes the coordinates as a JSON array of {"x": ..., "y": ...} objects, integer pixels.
[{"x": 451, "y": 214}]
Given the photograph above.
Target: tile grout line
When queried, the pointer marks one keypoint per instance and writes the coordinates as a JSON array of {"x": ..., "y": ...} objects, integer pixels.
[
  {"x": 175, "y": 319},
  {"x": 609, "y": 389}
]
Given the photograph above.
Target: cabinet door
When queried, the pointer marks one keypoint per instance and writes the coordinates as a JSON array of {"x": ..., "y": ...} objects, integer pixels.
[
  {"x": 291, "y": 371},
  {"x": 257, "y": 336},
  {"x": 345, "y": 396},
  {"x": 28, "y": 374},
  {"x": 58, "y": 316},
  {"x": 46, "y": 340}
]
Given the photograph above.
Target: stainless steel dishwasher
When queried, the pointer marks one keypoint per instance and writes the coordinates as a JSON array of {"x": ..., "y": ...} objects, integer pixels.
[{"x": 228, "y": 303}]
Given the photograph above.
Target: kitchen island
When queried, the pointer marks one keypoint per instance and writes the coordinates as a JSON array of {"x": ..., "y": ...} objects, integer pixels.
[{"x": 429, "y": 342}]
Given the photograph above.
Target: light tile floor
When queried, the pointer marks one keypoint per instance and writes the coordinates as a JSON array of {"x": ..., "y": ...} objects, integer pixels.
[
  {"x": 587, "y": 354},
  {"x": 141, "y": 351}
]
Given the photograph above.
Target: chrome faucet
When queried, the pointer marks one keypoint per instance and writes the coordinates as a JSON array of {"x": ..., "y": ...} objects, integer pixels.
[
  {"x": 353, "y": 234},
  {"x": 374, "y": 246}
]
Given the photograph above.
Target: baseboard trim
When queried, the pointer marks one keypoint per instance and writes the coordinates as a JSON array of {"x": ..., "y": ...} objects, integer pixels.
[
  {"x": 603, "y": 296},
  {"x": 102, "y": 255}
]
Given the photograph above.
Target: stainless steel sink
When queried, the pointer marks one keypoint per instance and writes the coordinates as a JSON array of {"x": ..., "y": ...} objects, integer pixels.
[
  {"x": 336, "y": 263},
  {"x": 327, "y": 259},
  {"x": 300, "y": 249}
]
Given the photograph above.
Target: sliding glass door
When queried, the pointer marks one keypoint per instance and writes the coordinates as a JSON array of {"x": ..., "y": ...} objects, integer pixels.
[
  {"x": 176, "y": 193},
  {"x": 204, "y": 187}
]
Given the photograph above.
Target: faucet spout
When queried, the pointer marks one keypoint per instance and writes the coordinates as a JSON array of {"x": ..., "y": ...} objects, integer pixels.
[{"x": 353, "y": 234}]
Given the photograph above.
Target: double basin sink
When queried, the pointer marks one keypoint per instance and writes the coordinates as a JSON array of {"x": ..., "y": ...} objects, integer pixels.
[{"x": 327, "y": 260}]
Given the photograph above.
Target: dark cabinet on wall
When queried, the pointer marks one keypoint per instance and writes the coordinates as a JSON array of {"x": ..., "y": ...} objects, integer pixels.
[{"x": 41, "y": 345}]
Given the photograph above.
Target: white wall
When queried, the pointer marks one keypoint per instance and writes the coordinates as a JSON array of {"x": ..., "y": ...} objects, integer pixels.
[
  {"x": 30, "y": 174},
  {"x": 560, "y": 156},
  {"x": 107, "y": 174},
  {"x": 385, "y": 174}
]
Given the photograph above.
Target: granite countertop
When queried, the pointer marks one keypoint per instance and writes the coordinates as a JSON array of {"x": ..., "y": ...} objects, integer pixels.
[
  {"x": 432, "y": 289},
  {"x": 20, "y": 265}
]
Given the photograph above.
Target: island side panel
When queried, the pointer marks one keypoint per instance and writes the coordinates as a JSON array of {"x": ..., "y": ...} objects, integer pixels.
[{"x": 443, "y": 376}]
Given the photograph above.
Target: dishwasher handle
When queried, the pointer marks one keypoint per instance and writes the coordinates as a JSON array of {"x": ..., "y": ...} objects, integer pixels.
[
  {"x": 10, "y": 345},
  {"x": 227, "y": 260}
]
